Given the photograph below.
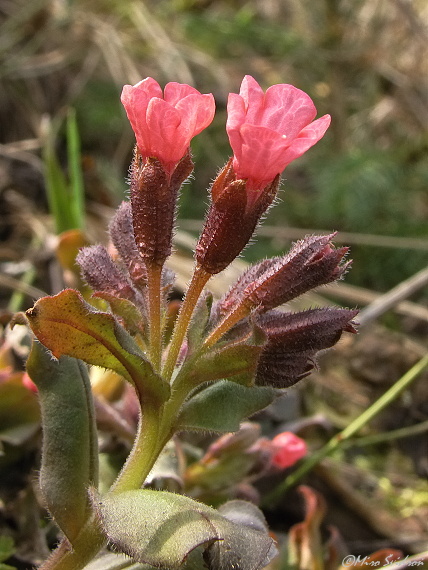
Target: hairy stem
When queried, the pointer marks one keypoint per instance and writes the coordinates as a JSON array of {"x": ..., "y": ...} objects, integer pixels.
[
  {"x": 199, "y": 279},
  {"x": 227, "y": 323},
  {"x": 143, "y": 454}
]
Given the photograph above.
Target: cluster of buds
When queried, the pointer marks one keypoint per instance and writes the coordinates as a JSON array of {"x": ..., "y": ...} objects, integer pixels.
[{"x": 266, "y": 131}]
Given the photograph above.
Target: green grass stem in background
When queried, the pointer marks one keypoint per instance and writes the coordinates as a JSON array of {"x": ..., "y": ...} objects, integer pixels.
[
  {"x": 338, "y": 440},
  {"x": 65, "y": 196}
]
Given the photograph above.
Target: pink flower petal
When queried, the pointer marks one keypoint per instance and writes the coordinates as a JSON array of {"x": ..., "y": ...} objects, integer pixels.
[
  {"x": 164, "y": 124},
  {"x": 261, "y": 155},
  {"x": 175, "y": 92},
  {"x": 164, "y": 138},
  {"x": 206, "y": 112},
  {"x": 197, "y": 112},
  {"x": 287, "y": 110},
  {"x": 235, "y": 112},
  {"x": 309, "y": 136},
  {"x": 253, "y": 97},
  {"x": 268, "y": 131}
]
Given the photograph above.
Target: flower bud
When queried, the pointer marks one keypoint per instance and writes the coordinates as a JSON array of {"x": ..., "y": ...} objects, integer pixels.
[
  {"x": 293, "y": 340},
  {"x": 101, "y": 273},
  {"x": 288, "y": 449},
  {"x": 231, "y": 220},
  {"x": 122, "y": 235},
  {"x": 310, "y": 263},
  {"x": 233, "y": 443}
]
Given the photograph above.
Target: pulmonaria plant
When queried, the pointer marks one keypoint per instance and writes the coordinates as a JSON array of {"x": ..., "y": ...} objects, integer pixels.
[{"x": 220, "y": 363}]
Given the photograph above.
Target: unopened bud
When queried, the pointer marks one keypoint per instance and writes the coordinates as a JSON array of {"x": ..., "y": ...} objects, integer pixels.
[
  {"x": 101, "y": 273},
  {"x": 288, "y": 449},
  {"x": 234, "y": 443},
  {"x": 310, "y": 263},
  {"x": 293, "y": 340},
  {"x": 231, "y": 220},
  {"x": 122, "y": 235}
]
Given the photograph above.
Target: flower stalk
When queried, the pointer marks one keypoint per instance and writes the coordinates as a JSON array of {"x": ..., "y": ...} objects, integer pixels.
[{"x": 199, "y": 279}]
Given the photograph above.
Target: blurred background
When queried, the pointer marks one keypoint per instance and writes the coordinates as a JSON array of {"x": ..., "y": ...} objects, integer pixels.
[{"x": 363, "y": 61}]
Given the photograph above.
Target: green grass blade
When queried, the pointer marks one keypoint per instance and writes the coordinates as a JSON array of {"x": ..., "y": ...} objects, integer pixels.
[
  {"x": 65, "y": 197},
  {"x": 76, "y": 186},
  {"x": 56, "y": 185}
]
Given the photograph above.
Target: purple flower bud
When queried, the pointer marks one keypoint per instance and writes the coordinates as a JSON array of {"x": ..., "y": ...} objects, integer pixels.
[
  {"x": 310, "y": 263},
  {"x": 122, "y": 235},
  {"x": 101, "y": 273},
  {"x": 293, "y": 340}
]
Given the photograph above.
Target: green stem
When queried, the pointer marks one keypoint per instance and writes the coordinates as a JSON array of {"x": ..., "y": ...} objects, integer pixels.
[
  {"x": 154, "y": 275},
  {"x": 154, "y": 433},
  {"x": 180, "y": 391},
  {"x": 198, "y": 282},
  {"x": 376, "y": 438},
  {"x": 85, "y": 547},
  {"x": 143, "y": 454},
  {"x": 336, "y": 441}
]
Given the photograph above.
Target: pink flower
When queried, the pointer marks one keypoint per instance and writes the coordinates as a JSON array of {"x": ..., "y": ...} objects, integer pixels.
[
  {"x": 28, "y": 383},
  {"x": 164, "y": 124},
  {"x": 289, "y": 449},
  {"x": 269, "y": 130}
]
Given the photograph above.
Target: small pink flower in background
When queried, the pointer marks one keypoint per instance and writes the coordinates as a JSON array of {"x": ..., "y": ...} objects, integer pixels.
[
  {"x": 165, "y": 123},
  {"x": 28, "y": 383},
  {"x": 269, "y": 130},
  {"x": 289, "y": 449}
]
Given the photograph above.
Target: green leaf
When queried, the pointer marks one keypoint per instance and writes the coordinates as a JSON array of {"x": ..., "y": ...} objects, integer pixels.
[
  {"x": 110, "y": 561},
  {"x": 67, "y": 325},
  {"x": 162, "y": 529},
  {"x": 66, "y": 198},
  {"x": 70, "y": 447},
  {"x": 222, "y": 407},
  {"x": 77, "y": 191},
  {"x": 56, "y": 186},
  {"x": 123, "y": 309},
  {"x": 236, "y": 362},
  {"x": 234, "y": 551}
]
